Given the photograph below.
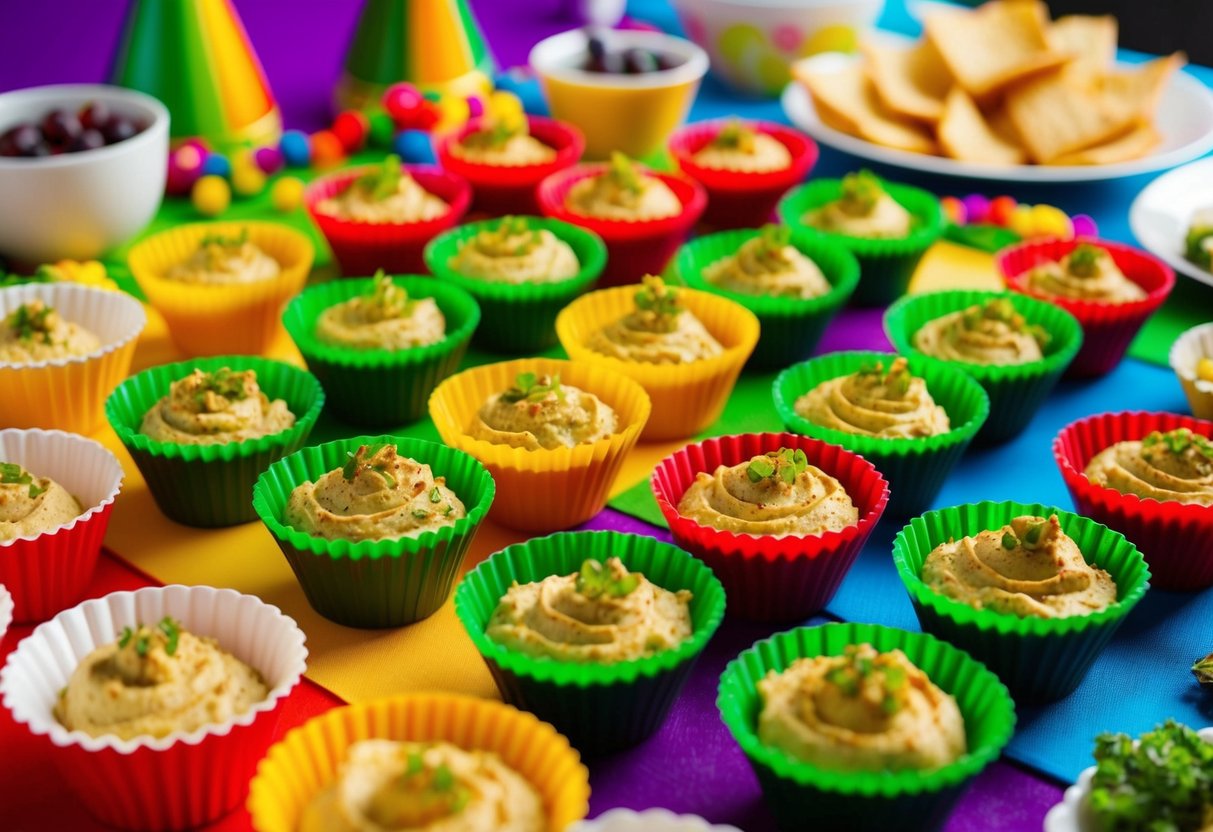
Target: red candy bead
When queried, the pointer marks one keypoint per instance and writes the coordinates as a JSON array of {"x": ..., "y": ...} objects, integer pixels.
[
  {"x": 327, "y": 149},
  {"x": 402, "y": 101},
  {"x": 426, "y": 117},
  {"x": 1001, "y": 208},
  {"x": 351, "y": 128}
]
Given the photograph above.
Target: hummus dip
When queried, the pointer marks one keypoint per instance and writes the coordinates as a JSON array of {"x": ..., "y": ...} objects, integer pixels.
[
  {"x": 1174, "y": 466},
  {"x": 603, "y": 613},
  {"x": 768, "y": 264},
  {"x": 221, "y": 260},
  {"x": 36, "y": 332},
  {"x": 385, "y": 195},
  {"x": 623, "y": 192},
  {"x": 658, "y": 331},
  {"x": 863, "y": 210},
  {"x": 215, "y": 408},
  {"x": 1029, "y": 567},
  {"x": 516, "y": 254},
  {"x": 738, "y": 147},
  {"x": 503, "y": 144},
  {"x": 861, "y": 711},
  {"x": 385, "y": 318},
  {"x": 775, "y": 494},
  {"x": 875, "y": 402},
  {"x": 993, "y": 333},
  {"x": 1086, "y": 273},
  {"x": 154, "y": 681},
  {"x": 376, "y": 495},
  {"x": 31, "y": 505},
  {"x": 386, "y": 786},
  {"x": 539, "y": 412}
]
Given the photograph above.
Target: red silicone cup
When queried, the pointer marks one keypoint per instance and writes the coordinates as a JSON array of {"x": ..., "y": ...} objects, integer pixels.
[
  {"x": 1173, "y": 537},
  {"x": 363, "y": 247},
  {"x": 1107, "y": 328},
  {"x": 736, "y": 199},
  {"x": 510, "y": 189},
  {"x": 766, "y": 578},
  {"x": 634, "y": 249}
]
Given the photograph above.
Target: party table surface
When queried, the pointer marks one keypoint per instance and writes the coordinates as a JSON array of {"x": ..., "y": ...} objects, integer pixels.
[{"x": 692, "y": 765}]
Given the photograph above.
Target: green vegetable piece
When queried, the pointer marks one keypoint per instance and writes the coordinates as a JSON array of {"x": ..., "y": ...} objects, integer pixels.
[
  {"x": 127, "y": 635},
  {"x": 659, "y": 301},
  {"x": 1202, "y": 669},
  {"x": 1031, "y": 538},
  {"x": 420, "y": 515},
  {"x": 222, "y": 382},
  {"x": 735, "y": 135},
  {"x": 13, "y": 474},
  {"x": 435, "y": 495},
  {"x": 444, "y": 778},
  {"x": 172, "y": 634},
  {"x": 771, "y": 245},
  {"x": 225, "y": 241},
  {"x": 844, "y": 679},
  {"x": 382, "y": 181},
  {"x": 595, "y": 580},
  {"x": 360, "y": 460},
  {"x": 783, "y": 465},
  {"x": 531, "y": 388},
  {"x": 1084, "y": 260},
  {"x": 496, "y": 135},
  {"x": 1009, "y": 541},
  {"x": 860, "y": 193},
  {"x": 386, "y": 299},
  {"x": 416, "y": 764},
  {"x": 33, "y": 320},
  {"x": 759, "y": 468},
  {"x": 623, "y": 173}
]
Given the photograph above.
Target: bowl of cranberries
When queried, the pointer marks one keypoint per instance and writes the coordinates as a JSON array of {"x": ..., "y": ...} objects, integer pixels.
[{"x": 82, "y": 169}]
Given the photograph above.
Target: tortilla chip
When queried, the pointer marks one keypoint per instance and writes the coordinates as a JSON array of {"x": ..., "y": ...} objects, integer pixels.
[
  {"x": 1136, "y": 92},
  {"x": 911, "y": 81},
  {"x": 990, "y": 48},
  {"x": 847, "y": 97},
  {"x": 1055, "y": 115},
  {"x": 1089, "y": 39},
  {"x": 965, "y": 134},
  {"x": 1132, "y": 145}
]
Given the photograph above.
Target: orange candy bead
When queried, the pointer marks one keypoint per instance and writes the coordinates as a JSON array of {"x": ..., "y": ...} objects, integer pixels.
[{"x": 327, "y": 149}]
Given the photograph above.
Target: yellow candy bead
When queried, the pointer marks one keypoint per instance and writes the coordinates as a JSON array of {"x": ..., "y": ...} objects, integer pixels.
[
  {"x": 1021, "y": 220},
  {"x": 453, "y": 111},
  {"x": 286, "y": 194},
  {"x": 505, "y": 107},
  {"x": 1204, "y": 369},
  {"x": 211, "y": 196},
  {"x": 1050, "y": 221},
  {"x": 247, "y": 180}
]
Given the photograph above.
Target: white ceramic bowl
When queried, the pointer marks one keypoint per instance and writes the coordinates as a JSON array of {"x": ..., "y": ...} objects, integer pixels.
[
  {"x": 650, "y": 820},
  {"x": 6, "y": 611},
  {"x": 752, "y": 43},
  {"x": 79, "y": 205},
  {"x": 1193, "y": 345}
]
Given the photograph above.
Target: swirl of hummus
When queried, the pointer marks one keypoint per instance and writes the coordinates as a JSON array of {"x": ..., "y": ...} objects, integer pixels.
[
  {"x": 385, "y": 318},
  {"x": 775, "y": 495},
  {"x": 624, "y": 193},
  {"x": 224, "y": 261},
  {"x": 1086, "y": 273},
  {"x": 514, "y": 253},
  {"x": 1029, "y": 567},
  {"x": 993, "y": 333},
  {"x": 154, "y": 681},
  {"x": 30, "y": 505},
  {"x": 503, "y": 144},
  {"x": 540, "y": 412},
  {"x": 740, "y": 148},
  {"x": 861, "y": 711},
  {"x": 215, "y": 408},
  {"x": 863, "y": 210},
  {"x": 385, "y": 195},
  {"x": 604, "y": 613},
  {"x": 1175, "y": 466},
  {"x": 376, "y": 495},
  {"x": 37, "y": 332},
  {"x": 391, "y": 786},
  {"x": 658, "y": 331},
  {"x": 874, "y": 402},
  {"x": 768, "y": 265}
]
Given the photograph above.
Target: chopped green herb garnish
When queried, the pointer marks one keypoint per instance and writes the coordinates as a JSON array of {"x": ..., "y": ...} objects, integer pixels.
[
  {"x": 495, "y": 135},
  {"x": 1009, "y": 541},
  {"x": 595, "y": 580},
  {"x": 416, "y": 764},
  {"x": 735, "y": 136},
  {"x": 861, "y": 666},
  {"x": 435, "y": 495},
  {"x": 785, "y": 465},
  {"x": 127, "y": 635},
  {"x": 13, "y": 474},
  {"x": 382, "y": 181},
  {"x": 659, "y": 301},
  {"x": 420, "y": 515},
  {"x": 860, "y": 193},
  {"x": 1084, "y": 260},
  {"x": 446, "y": 512},
  {"x": 33, "y": 319},
  {"x": 225, "y": 241},
  {"x": 532, "y": 388},
  {"x": 387, "y": 299},
  {"x": 623, "y": 173},
  {"x": 845, "y": 679},
  {"x": 223, "y": 382},
  {"x": 172, "y": 634},
  {"x": 143, "y": 643},
  {"x": 444, "y": 778},
  {"x": 1031, "y": 538},
  {"x": 771, "y": 245},
  {"x": 361, "y": 459},
  {"x": 1178, "y": 441}
]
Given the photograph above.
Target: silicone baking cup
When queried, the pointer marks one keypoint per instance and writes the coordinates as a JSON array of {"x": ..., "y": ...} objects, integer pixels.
[
  {"x": 229, "y": 318},
  {"x": 543, "y": 490},
  {"x": 381, "y": 387},
  {"x": 1173, "y": 537},
  {"x": 915, "y": 468},
  {"x": 600, "y": 707},
  {"x": 772, "y": 578},
  {"x": 361, "y": 248},
  {"x": 1039, "y": 659},
  {"x": 650, "y": 820},
  {"x": 789, "y": 327},
  {"x": 1107, "y": 328},
  {"x": 637, "y": 248},
  {"x": 1193, "y": 345},
  {"x": 519, "y": 318},
  {"x": 6, "y": 611},
  {"x": 182, "y": 780},
  {"x": 886, "y": 264},
  {"x": 67, "y": 393},
  {"x": 1016, "y": 391},
  {"x": 687, "y": 398},
  {"x": 375, "y": 583},
  {"x": 510, "y": 189},
  {"x": 211, "y": 485},
  {"x": 309, "y": 757},
  {"x": 49, "y": 571},
  {"x": 799, "y": 793}
]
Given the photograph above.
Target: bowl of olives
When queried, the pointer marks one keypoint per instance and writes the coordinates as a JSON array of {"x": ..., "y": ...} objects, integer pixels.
[{"x": 82, "y": 169}]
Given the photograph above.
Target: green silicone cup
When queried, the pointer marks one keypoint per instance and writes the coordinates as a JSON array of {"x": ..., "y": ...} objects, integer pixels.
[
  {"x": 1016, "y": 390},
  {"x": 375, "y": 583},
  {"x": 211, "y": 485},
  {"x": 1039, "y": 659},
  {"x": 915, "y": 468},
  {"x": 885, "y": 264},
  {"x": 791, "y": 327},
  {"x": 803, "y": 796},
  {"x": 381, "y": 387},
  {"x": 519, "y": 318},
  {"x": 599, "y": 707}
]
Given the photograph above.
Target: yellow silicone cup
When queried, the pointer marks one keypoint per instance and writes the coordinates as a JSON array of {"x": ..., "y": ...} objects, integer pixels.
[
  {"x": 543, "y": 490},
  {"x": 687, "y": 398},
  {"x": 309, "y": 757},
  {"x": 229, "y": 319}
]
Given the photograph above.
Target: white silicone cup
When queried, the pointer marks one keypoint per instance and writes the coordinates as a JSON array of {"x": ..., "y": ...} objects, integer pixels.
[
  {"x": 1073, "y": 814},
  {"x": 115, "y": 318},
  {"x": 1193, "y": 345},
  {"x": 650, "y": 820},
  {"x": 6, "y": 611}
]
